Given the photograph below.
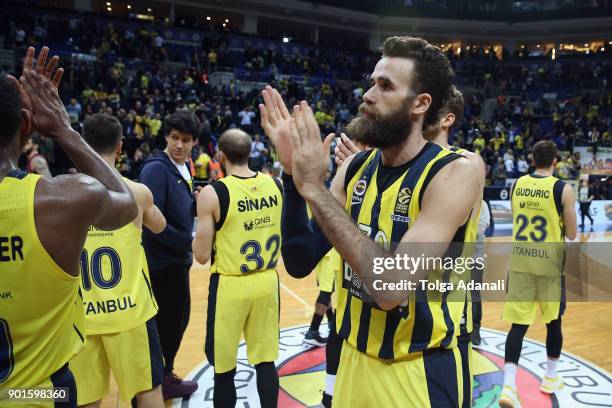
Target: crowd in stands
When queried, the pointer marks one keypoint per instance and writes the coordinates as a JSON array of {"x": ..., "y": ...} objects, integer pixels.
[{"x": 129, "y": 78}]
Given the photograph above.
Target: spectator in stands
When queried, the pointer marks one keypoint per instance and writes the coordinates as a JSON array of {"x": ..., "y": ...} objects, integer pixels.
[
  {"x": 201, "y": 164},
  {"x": 522, "y": 166},
  {"x": 258, "y": 151},
  {"x": 74, "y": 110},
  {"x": 246, "y": 116},
  {"x": 499, "y": 173}
]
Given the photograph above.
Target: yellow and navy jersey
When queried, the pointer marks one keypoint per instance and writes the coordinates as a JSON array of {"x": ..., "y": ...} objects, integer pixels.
[
  {"x": 384, "y": 202},
  {"x": 471, "y": 237},
  {"x": 41, "y": 311},
  {"x": 472, "y": 230},
  {"x": 115, "y": 283},
  {"x": 537, "y": 228},
  {"x": 248, "y": 234}
]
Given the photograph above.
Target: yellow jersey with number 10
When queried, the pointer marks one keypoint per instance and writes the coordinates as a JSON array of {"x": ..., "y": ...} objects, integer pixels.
[
  {"x": 115, "y": 283},
  {"x": 41, "y": 313},
  {"x": 248, "y": 234},
  {"x": 537, "y": 231}
]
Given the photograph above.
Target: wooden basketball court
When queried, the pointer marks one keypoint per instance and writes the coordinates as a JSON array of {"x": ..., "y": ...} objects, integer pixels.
[{"x": 587, "y": 326}]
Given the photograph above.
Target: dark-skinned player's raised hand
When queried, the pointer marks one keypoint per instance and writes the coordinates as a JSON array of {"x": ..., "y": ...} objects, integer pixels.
[
  {"x": 47, "y": 69},
  {"x": 49, "y": 116}
]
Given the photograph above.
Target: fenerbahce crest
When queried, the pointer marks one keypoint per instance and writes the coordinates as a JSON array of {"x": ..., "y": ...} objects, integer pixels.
[{"x": 301, "y": 373}]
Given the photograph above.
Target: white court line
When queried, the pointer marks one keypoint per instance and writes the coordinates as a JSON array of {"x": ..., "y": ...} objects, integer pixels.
[{"x": 308, "y": 308}]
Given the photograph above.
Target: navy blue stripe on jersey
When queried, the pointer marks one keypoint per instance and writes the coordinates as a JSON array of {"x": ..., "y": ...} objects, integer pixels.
[
  {"x": 557, "y": 194},
  {"x": 364, "y": 327},
  {"x": 345, "y": 326},
  {"x": 17, "y": 173},
  {"x": 430, "y": 151},
  {"x": 78, "y": 332},
  {"x": 423, "y": 322},
  {"x": 144, "y": 275},
  {"x": 440, "y": 374},
  {"x": 224, "y": 202},
  {"x": 209, "y": 346},
  {"x": 450, "y": 326},
  {"x": 386, "y": 347},
  {"x": 366, "y": 176},
  {"x": 354, "y": 166},
  {"x": 435, "y": 168}
]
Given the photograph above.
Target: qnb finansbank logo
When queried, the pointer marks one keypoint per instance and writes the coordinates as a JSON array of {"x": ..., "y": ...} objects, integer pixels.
[{"x": 301, "y": 372}]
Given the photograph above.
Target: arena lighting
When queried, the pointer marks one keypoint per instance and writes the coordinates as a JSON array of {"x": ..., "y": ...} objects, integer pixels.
[
  {"x": 109, "y": 9},
  {"x": 224, "y": 24},
  {"x": 208, "y": 18},
  {"x": 227, "y": 20},
  {"x": 285, "y": 39},
  {"x": 554, "y": 54},
  {"x": 108, "y": 3},
  {"x": 129, "y": 7},
  {"x": 149, "y": 10},
  {"x": 586, "y": 45},
  {"x": 602, "y": 49},
  {"x": 459, "y": 50}
]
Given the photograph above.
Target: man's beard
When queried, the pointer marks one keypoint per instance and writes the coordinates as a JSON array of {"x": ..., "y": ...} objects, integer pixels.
[{"x": 382, "y": 131}]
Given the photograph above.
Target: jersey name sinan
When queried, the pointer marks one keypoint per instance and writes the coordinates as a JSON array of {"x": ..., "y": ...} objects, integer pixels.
[
  {"x": 537, "y": 228},
  {"x": 385, "y": 214},
  {"x": 248, "y": 235},
  {"x": 115, "y": 283},
  {"x": 41, "y": 313}
]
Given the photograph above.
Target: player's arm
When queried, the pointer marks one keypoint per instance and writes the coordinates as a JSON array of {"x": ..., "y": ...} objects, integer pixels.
[
  {"x": 152, "y": 217},
  {"x": 429, "y": 235},
  {"x": 208, "y": 213},
  {"x": 49, "y": 118},
  {"x": 304, "y": 243},
  {"x": 568, "y": 199}
]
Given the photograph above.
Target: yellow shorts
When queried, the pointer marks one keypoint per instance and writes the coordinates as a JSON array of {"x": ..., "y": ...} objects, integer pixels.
[
  {"x": 431, "y": 379},
  {"x": 326, "y": 271},
  {"x": 527, "y": 292},
  {"x": 242, "y": 303},
  {"x": 134, "y": 356}
]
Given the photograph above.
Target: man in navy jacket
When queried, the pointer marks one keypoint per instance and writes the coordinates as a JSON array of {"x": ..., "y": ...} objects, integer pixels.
[{"x": 169, "y": 253}]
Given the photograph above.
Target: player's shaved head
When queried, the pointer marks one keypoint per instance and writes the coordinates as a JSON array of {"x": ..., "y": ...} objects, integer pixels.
[
  {"x": 235, "y": 144},
  {"x": 10, "y": 110},
  {"x": 102, "y": 132}
]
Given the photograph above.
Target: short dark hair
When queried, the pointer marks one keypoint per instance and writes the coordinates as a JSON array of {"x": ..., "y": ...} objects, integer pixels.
[
  {"x": 10, "y": 110},
  {"x": 455, "y": 105},
  {"x": 235, "y": 145},
  {"x": 185, "y": 121},
  {"x": 544, "y": 153},
  {"x": 433, "y": 73},
  {"x": 102, "y": 132}
]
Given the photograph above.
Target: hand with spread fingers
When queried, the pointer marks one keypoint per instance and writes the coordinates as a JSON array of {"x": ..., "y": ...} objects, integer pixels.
[
  {"x": 310, "y": 159},
  {"x": 49, "y": 116},
  {"x": 276, "y": 122},
  {"x": 42, "y": 67},
  {"x": 344, "y": 149}
]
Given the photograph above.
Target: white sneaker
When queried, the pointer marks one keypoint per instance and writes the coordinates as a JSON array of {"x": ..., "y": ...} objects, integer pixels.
[
  {"x": 509, "y": 398},
  {"x": 550, "y": 385}
]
